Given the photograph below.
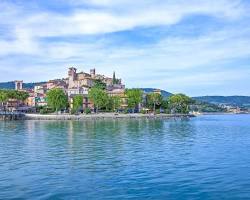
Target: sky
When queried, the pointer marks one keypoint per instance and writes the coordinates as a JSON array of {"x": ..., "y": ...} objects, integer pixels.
[{"x": 196, "y": 47}]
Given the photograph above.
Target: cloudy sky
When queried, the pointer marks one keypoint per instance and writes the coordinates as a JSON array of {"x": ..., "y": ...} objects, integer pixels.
[{"x": 196, "y": 47}]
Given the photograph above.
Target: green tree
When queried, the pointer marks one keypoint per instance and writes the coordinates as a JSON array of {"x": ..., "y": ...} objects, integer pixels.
[
  {"x": 22, "y": 96},
  {"x": 77, "y": 102},
  {"x": 99, "y": 97},
  {"x": 179, "y": 103},
  {"x": 99, "y": 84},
  {"x": 114, "y": 80},
  {"x": 134, "y": 97},
  {"x": 110, "y": 104},
  {"x": 3, "y": 98},
  {"x": 165, "y": 106},
  {"x": 153, "y": 100},
  {"x": 114, "y": 103},
  {"x": 12, "y": 94},
  {"x": 57, "y": 99}
]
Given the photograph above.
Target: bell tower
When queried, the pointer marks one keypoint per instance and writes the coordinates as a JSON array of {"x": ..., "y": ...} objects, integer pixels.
[
  {"x": 92, "y": 73},
  {"x": 72, "y": 76},
  {"x": 18, "y": 85}
]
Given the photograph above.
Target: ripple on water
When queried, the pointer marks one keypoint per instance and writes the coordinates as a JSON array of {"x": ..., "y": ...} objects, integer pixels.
[{"x": 202, "y": 158}]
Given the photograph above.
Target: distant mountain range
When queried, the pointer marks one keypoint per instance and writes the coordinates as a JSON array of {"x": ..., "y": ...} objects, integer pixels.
[
  {"x": 226, "y": 100},
  {"x": 11, "y": 85}
]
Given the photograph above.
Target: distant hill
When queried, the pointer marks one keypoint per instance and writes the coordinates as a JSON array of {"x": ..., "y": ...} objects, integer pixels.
[
  {"x": 11, "y": 85},
  {"x": 163, "y": 92},
  {"x": 226, "y": 100}
]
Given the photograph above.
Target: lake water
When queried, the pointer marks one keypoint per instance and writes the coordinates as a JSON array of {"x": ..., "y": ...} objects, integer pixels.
[{"x": 206, "y": 157}]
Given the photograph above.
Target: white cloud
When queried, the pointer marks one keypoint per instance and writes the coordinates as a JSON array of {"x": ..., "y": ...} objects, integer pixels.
[
  {"x": 125, "y": 15},
  {"x": 29, "y": 28}
]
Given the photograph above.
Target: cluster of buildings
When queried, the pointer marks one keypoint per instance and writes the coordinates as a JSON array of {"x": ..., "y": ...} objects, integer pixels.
[
  {"x": 76, "y": 83},
  {"x": 235, "y": 109}
]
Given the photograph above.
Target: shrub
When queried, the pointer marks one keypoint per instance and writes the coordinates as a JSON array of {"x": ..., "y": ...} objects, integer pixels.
[
  {"x": 72, "y": 111},
  {"x": 87, "y": 111},
  {"x": 143, "y": 111},
  {"x": 158, "y": 111},
  {"x": 45, "y": 110},
  {"x": 125, "y": 111},
  {"x": 42, "y": 111},
  {"x": 167, "y": 111}
]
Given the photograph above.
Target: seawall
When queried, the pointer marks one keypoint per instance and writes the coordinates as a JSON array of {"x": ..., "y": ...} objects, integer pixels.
[
  {"x": 104, "y": 116},
  {"x": 11, "y": 116}
]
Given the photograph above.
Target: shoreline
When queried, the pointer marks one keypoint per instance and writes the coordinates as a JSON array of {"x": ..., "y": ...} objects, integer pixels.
[
  {"x": 82, "y": 117},
  {"x": 99, "y": 116},
  {"x": 223, "y": 113}
]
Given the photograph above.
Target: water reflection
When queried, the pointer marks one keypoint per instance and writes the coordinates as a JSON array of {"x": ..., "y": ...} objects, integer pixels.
[{"x": 130, "y": 159}]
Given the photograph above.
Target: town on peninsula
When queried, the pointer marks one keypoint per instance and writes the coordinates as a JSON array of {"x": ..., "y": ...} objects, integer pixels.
[{"x": 82, "y": 94}]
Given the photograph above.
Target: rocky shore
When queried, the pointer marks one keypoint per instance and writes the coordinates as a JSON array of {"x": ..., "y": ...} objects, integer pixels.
[{"x": 103, "y": 116}]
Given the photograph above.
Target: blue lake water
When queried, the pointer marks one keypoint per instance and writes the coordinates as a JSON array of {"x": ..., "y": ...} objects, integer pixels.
[{"x": 206, "y": 157}]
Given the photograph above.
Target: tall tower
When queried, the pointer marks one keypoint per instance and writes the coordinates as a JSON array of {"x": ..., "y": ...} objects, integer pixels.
[
  {"x": 92, "y": 72},
  {"x": 72, "y": 76},
  {"x": 18, "y": 85}
]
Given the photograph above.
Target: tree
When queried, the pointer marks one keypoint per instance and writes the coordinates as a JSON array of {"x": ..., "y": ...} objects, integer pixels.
[
  {"x": 114, "y": 103},
  {"x": 77, "y": 102},
  {"x": 99, "y": 97},
  {"x": 153, "y": 100},
  {"x": 12, "y": 94},
  {"x": 57, "y": 99},
  {"x": 165, "y": 105},
  {"x": 99, "y": 84},
  {"x": 179, "y": 103},
  {"x": 3, "y": 98},
  {"x": 114, "y": 80},
  {"x": 19, "y": 95},
  {"x": 134, "y": 97},
  {"x": 22, "y": 95}
]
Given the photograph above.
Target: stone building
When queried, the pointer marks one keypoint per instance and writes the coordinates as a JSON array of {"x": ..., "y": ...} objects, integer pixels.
[
  {"x": 79, "y": 83},
  {"x": 83, "y": 79},
  {"x": 18, "y": 85}
]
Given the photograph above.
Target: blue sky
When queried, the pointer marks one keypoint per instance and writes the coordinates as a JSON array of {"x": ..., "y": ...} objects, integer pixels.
[{"x": 195, "y": 47}]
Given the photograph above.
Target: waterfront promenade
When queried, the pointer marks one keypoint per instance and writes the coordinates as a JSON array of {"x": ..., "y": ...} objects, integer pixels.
[
  {"x": 9, "y": 116},
  {"x": 102, "y": 116}
]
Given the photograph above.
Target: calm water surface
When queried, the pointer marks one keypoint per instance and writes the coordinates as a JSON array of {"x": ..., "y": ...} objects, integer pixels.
[{"x": 207, "y": 157}]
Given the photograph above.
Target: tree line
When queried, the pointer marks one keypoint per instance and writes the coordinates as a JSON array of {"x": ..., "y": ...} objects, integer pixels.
[
  {"x": 134, "y": 99},
  {"x": 5, "y": 95}
]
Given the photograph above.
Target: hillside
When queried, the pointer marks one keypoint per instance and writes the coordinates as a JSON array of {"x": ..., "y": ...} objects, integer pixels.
[
  {"x": 226, "y": 100},
  {"x": 163, "y": 92},
  {"x": 11, "y": 85}
]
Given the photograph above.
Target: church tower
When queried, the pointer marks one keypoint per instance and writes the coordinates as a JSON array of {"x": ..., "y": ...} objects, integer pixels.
[
  {"x": 72, "y": 76},
  {"x": 92, "y": 73},
  {"x": 18, "y": 85}
]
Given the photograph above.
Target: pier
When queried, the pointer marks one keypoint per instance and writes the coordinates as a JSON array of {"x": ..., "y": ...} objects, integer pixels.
[{"x": 11, "y": 116}]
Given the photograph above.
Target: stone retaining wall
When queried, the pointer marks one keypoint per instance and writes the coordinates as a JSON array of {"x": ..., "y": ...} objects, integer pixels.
[
  {"x": 103, "y": 116},
  {"x": 11, "y": 116}
]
